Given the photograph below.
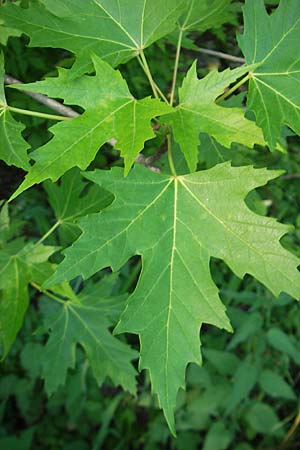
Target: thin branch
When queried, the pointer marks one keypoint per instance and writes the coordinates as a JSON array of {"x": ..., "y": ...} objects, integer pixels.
[
  {"x": 222, "y": 55},
  {"x": 52, "y": 104}
]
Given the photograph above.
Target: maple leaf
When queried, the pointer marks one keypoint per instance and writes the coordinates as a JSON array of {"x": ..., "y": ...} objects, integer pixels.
[
  {"x": 197, "y": 112},
  {"x": 85, "y": 321},
  {"x": 13, "y": 148},
  {"x": 205, "y": 14},
  {"x": 177, "y": 224},
  {"x": 106, "y": 28},
  {"x": 274, "y": 84},
  {"x": 70, "y": 200},
  {"x": 111, "y": 112}
]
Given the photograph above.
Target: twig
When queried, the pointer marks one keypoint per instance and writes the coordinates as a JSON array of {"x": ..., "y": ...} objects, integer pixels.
[
  {"x": 221, "y": 55},
  {"x": 71, "y": 113},
  {"x": 291, "y": 176}
]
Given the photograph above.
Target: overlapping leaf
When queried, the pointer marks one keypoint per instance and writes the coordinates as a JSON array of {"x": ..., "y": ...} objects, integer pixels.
[
  {"x": 113, "y": 29},
  {"x": 13, "y": 148},
  {"x": 111, "y": 112},
  {"x": 271, "y": 41},
  {"x": 86, "y": 322},
  {"x": 177, "y": 224},
  {"x": 72, "y": 199},
  {"x": 197, "y": 112},
  {"x": 201, "y": 15}
]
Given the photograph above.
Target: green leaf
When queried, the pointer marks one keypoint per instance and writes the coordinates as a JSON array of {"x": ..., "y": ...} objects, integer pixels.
[
  {"x": 205, "y": 14},
  {"x": 274, "y": 385},
  {"x": 85, "y": 322},
  {"x": 177, "y": 224},
  {"x": 197, "y": 112},
  {"x": 111, "y": 112},
  {"x": 279, "y": 340},
  {"x": 71, "y": 200},
  {"x": 262, "y": 418},
  {"x": 274, "y": 86},
  {"x": 114, "y": 30},
  {"x": 218, "y": 437},
  {"x": 13, "y": 148},
  {"x": 20, "y": 264},
  {"x": 244, "y": 381}
]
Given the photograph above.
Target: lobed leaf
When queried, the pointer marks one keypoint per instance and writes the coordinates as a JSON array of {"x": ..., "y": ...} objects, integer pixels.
[{"x": 177, "y": 224}]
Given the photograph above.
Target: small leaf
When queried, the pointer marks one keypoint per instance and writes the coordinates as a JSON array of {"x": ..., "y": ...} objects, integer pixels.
[
  {"x": 197, "y": 112},
  {"x": 279, "y": 340},
  {"x": 274, "y": 385},
  {"x": 262, "y": 418}
]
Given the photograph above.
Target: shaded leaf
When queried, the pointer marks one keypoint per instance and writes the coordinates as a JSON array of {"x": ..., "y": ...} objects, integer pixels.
[{"x": 85, "y": 322}]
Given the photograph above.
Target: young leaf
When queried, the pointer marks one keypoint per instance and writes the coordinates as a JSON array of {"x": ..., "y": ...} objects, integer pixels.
[
  {"x": 177, "y": 224},
  {"x": 205, "y": 14},
  {"x": 274, "y": 86},
  {"x": 114, "y": 30},
  {"x": 13, "y": 148},
  {"x": 111, "y": 112},
  {"x": 197, "y": 112},
  {"x": 85, "y": 322}
]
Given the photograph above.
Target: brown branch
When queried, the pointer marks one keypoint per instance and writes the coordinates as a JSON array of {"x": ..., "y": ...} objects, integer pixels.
[{"x": 221, "y": 55}]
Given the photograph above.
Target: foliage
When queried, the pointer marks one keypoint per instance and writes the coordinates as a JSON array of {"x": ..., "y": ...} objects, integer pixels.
[{"x": 194, "y": 204}]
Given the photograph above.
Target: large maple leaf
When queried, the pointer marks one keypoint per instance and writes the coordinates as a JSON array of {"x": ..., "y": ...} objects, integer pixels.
[
  {"x": 197, "y": 112},
  {"x": 270, "y": 41},
  {"x": 177, "y": 224},
  {"x": 110, "y": 112},
  {"x": 108, "y": 28}
]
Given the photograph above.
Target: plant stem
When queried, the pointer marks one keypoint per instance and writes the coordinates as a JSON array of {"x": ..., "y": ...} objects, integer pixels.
[
  {"x": 170, "y": 157},
  {"x": 234, "y": 88},
  {"x": 148, "y": 73},
  {"x": 50, "y": 231},
  {"x": 49, "y": 294},
  {"x": 176, "y": 66},
  {"x": 26, "y": 112}
]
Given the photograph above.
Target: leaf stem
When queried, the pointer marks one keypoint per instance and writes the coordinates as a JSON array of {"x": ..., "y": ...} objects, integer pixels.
[
  {"x": 49, "y": 294},
  {"x": 156, "y": 86},
  {"x": 147, "y": 71},
  {"x": 234, "y": 88},
  {"x": 50, "y": 231},
  {"x": 178, "y": 49},
  {"x": 26, "y": 112},
  {"x": 170, "y": 157}
]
